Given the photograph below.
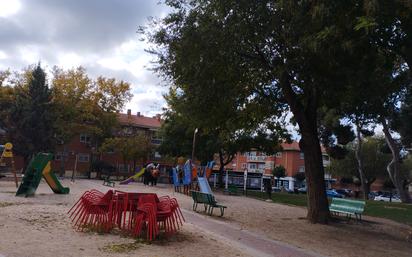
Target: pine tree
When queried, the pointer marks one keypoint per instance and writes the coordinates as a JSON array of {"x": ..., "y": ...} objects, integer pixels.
[{"x": 32, "y": 116}]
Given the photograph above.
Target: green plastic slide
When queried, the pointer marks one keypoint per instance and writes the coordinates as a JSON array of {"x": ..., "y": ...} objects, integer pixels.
[{"x": 39, "y": 166}]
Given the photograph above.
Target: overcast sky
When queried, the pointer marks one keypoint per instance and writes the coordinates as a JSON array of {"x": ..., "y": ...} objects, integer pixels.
[{"x": 99, "y": 35}]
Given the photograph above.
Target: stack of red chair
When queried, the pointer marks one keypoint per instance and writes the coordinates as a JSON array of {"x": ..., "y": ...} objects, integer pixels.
[
  {"x": 92, "y": 211},
  {"x": 131, "y": 212}
]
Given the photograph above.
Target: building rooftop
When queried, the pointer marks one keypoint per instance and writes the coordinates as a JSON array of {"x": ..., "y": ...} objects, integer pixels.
[
  {"x": 294, "y": 146},
  {"x": 139, "y": 120}
]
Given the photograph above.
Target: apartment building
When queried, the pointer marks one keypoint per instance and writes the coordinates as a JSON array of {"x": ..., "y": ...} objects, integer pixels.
[
  {"x": 291, "y": 158},
  {"x": 80, "y": 152}
]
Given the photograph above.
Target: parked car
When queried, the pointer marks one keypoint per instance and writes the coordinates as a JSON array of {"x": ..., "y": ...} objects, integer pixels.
[
  {"x": 373, "y": 194},
  {"x": 344, "y": 191},
  {"x": 387, "y": 198},
  {"x": 332, "y": 193},
  {"x": 302, "y": 190},
  {"x": 275, "y": 189}
]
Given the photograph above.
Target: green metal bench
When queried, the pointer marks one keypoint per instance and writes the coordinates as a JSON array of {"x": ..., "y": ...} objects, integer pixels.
[
  {"x": 232, "y": 190},
  {"x": 108, "y": 182},
  {"x": 209, "y": 202},
  {"x": 348, "y": 207}
]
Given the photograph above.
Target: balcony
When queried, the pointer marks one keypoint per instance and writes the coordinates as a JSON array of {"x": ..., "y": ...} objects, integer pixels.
[
  {"x": 326, "y": 163},
  {"x": 156, "y": 141},
  {"x": 256, "y": 170},
  {"x": 256, "y": 158}
]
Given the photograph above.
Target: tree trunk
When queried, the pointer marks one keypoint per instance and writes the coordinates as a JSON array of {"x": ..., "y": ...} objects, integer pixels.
[
  {"x": 393, "y": 167},
  {"x": 359, "y": 159},
  {"x": 221, "y": 169},
  {"x": 318, "y": 207},
  {"x": 306, "y": 117},
  {"x": 62, "y": 161}
]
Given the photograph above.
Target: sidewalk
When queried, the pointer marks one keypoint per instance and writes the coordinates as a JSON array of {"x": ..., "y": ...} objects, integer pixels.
[{"x": 249, "y": 242}]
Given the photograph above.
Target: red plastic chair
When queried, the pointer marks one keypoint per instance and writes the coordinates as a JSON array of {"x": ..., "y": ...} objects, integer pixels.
[{"x": 92, "y": 210}]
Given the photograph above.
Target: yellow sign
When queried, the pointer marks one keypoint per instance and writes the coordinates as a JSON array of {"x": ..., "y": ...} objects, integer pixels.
[
  {"x": 8, "y": 146},
  {"x": 7, "y": 153}
]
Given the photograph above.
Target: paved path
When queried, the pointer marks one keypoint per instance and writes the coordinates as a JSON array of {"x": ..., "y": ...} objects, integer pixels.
[{"x": 252, "y": 243}]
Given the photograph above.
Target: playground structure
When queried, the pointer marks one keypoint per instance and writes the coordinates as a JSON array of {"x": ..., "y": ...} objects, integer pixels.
[
  {"x": 130, "y": 212},
  {"x": 7, "y": 154},
  {"x": 133, "y": 178},
  {"x": 40, "y": 166},
  {"x": 188, "y": 176}
]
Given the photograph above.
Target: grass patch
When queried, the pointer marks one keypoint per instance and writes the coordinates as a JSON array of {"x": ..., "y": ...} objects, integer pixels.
[
  {"x": 123, "y": 248},
  {"x": 399, "y": 212},
  {"x": 283, "y": 198},
  {"x": 5, "y": 204}
]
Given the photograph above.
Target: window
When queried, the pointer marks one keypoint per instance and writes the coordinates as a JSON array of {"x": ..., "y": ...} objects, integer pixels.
[
  {"x": 261, "y": 166},
  {"x": 84, "y": 138},
  {"x": 127, "y": 131},
  {"x": 279, "y": 155},
  {"x": 302, "y": 169},
  {"x": 252, "y": 153},
  {"x": 302, "y": 156},
  {"x": 252, "y": 166},
  {"x": 83, "y": 157},
  {"x": 156, "y": 138},
  {"x": 59, "y": 156},
  {"x": 243, "y": 165}
]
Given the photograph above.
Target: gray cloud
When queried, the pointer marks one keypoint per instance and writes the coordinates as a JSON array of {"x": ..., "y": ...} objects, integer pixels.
[{"x": 85, "y": 30}]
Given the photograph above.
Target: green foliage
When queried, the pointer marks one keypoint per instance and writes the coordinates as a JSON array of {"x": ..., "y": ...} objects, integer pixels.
[
  {"x": 375, "y": 161},
  {"x": 258, "y": 59},
  {"x": 404, "y": 122},
  {"x": 300, "y": 176},
  {"x": 85, "y": 105},
  {"x": 31, "y": 115},
  {"x": 279, "y": 171},
  {"x": 7, "y": 98},
  {"x": 130, "y": 148}
]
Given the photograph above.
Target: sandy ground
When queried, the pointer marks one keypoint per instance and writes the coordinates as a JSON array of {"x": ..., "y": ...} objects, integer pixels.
[{"x": 39, "y": 226}]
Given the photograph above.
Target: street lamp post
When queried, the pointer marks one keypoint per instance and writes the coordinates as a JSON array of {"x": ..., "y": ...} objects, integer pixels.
[{"x": 194, "y": 143}]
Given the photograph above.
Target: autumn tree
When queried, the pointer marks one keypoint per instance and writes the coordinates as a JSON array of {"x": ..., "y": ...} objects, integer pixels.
[
  {"x": 6, "y": 98},
  {"x": 87, "y": 106},
  {"x": 136, "y": 148}
]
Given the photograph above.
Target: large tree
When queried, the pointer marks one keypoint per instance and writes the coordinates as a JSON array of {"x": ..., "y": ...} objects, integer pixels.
[
  {"x": 223, "y": 127},
  {"x": 87, "y": 106},
  {"x": 31, "y": 116},
  {"x": 284, "y": 52},
  {"x": 388, "y": 25}
]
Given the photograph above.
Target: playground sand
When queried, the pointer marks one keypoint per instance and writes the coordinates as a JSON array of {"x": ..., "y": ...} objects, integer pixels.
[{"x": 39, "y": 226}]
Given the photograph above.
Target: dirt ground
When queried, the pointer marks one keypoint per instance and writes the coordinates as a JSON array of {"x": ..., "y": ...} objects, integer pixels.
[{"x": 39, "y": 226}]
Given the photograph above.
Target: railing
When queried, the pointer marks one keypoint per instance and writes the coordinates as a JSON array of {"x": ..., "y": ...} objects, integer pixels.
[
  {"x": 326, "y": 163},
  {"x": 256, "y": 170},
  {"x": 156, "y": 141},
  {"x": 256, "y": 158}
]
